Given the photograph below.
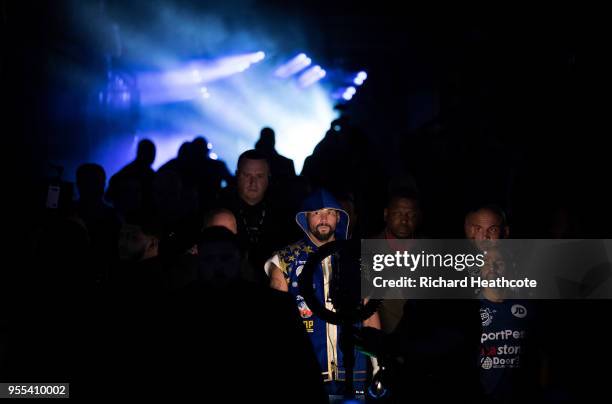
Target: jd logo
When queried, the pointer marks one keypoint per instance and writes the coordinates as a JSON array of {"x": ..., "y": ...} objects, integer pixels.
[{"x": 519, "y": 311}]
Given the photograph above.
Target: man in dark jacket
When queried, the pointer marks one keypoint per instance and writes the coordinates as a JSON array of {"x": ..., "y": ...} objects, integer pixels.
[{"x": 263, "y": 225}]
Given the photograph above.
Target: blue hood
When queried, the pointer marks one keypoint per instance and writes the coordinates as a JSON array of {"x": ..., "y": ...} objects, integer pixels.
[{"x": 322, "y": 199}]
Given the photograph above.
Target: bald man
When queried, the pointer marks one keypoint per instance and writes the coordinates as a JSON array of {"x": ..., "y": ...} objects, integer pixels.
[
  {"x": 222, "y": 218},
  {"x": 486, "y": 223}
]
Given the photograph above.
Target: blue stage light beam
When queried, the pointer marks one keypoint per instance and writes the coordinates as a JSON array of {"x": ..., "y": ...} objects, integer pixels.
[
  {"x": 184, "y": 83},
  {"x": 293, "y": 66},
  {"x": 231, "y": 111},
  {"x": 311, "y": 76},
  {"x": 226, "y": 97}
]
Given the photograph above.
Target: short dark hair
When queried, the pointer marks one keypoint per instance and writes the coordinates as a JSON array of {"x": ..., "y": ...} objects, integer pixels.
[
  {"x": 200, "y": 144},
  {"x": 492, "y": 207},
  {"x": 145, "y": 145},
  {"x": 403, "y": 193},
  {"x": 267, "y": 137},
  {"x": 266, "y": 131},
  {"x": 252, "y": 155}
]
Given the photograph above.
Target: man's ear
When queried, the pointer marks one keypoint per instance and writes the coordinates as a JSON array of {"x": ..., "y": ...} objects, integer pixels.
[
  {"x": 506, "y": 231},
  {"x": 385, "y": 214}
]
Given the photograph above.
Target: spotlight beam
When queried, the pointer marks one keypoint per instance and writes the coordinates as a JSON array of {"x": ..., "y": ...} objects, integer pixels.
[
  {"x": 293, "y": 66},
  {"x": 185, "y": 83}
]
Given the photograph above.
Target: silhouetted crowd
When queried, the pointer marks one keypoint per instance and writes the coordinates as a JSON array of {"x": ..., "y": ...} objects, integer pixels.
[{"x": 183, "y": 281}]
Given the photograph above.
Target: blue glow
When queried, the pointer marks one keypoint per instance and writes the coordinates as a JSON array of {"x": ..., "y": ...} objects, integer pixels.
[
  {"x": 311, "y": 76},
  {"x": 228, "y": 95},
  {"x": 258, "y": 57},
  {"x": 349, "y": 93},
  {"x": 293, "y": 66},
  {"x": 175, "y": 85},
  {"x": 360, "y": 78},
  {"x": 238, "y": 107}
]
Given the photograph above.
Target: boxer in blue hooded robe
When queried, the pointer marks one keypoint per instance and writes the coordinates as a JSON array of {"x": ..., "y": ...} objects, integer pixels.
[{"x": 323, "y": 220}]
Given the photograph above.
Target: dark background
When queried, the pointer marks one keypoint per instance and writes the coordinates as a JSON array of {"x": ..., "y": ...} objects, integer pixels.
[{"x": 505, "y": 106}]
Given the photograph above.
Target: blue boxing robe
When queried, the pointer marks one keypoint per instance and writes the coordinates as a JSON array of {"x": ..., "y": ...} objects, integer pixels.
[{"x": 324, "y": 337}]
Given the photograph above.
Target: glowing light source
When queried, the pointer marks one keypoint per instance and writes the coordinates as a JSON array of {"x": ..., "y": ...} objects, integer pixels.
[
  {"x": 349, "y": 93},
  {"x": 311, "y": 76},
  {"x": 258, "y": 57},
  {"x": 238, "y": 107},
  {"x": 293, "y": 66},
  {"x": 169, "y": 91},
  {"x": 178, "y": 84},
  {"x": 360, "y": 78}
]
